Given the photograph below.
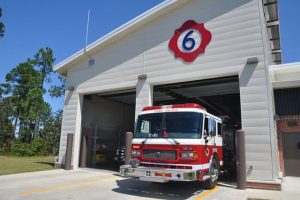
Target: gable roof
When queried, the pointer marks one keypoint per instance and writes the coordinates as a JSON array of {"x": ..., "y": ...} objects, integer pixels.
[{"x": 145, "y": 17}]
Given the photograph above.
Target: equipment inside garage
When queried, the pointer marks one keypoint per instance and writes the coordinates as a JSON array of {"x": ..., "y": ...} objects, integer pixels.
[
  {"x": 220, "y": 96},
  {"x": 105, "y": 119}
]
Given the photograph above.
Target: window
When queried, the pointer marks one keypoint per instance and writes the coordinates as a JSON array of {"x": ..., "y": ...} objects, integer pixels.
[
  {"x": 206, "y": 127},
  {"x": 169, "y": 124},
  {"x": 212, "y": 127}
]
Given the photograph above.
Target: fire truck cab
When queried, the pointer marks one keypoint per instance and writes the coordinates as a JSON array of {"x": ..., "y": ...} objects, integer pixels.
[{"x": 180, "y": 142}]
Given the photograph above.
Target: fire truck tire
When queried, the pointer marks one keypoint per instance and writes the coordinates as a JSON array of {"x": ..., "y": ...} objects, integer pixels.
[{"x": 213, "y": 173}]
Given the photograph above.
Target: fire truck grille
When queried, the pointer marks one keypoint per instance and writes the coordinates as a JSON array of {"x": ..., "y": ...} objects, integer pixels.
[
  {"x": 166, "y": 166},
  {"x": 159, "y": 154}
]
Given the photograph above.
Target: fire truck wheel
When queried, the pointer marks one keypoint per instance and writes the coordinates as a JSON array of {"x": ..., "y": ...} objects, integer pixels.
[{"x": 214, "y": 175}]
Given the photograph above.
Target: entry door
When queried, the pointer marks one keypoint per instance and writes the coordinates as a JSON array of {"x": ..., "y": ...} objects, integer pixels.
[{"x": 291, "y": 154}]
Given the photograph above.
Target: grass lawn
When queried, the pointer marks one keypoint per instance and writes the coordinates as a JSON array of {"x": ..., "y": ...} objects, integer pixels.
[{"x": 13, "y": 165}]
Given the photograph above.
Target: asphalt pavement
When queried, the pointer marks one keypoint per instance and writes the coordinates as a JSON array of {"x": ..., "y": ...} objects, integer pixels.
[{"x": 90, "y": 184}]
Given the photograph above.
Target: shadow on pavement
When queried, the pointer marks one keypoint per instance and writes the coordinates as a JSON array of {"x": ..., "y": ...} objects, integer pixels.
[
  {"x": 227, "y": 180},
  {"x": 107, "y": 166},
  {"x": 47, "y": 163},
  {"x": 171, "y": 190}
]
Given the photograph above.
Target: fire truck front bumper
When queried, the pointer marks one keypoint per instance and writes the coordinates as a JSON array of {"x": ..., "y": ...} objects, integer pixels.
[{"x": 159, "y": 174}]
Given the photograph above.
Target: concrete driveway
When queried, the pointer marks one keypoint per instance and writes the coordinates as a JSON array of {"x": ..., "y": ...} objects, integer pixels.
[{"x": 90, "y": 184}]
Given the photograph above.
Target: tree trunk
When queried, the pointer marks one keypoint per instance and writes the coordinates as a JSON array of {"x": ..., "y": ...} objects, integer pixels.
[
  {"x": 16, "y": 123},
  {"x": 36, "y": 127}
]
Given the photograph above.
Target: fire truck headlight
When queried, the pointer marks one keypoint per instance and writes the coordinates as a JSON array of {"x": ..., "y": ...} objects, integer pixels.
[
  {"x": 135, "y": 162},
  {"x": 136, "y": 153},
  {"x": 187, "y": 155}
]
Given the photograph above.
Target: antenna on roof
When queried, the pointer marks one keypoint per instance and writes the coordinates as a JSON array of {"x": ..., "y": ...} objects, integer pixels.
[
  {"x": 91, "y": 60},
  {"x": 87, "y": 29}
]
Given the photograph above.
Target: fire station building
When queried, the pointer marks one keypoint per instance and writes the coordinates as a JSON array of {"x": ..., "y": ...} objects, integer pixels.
[{"x": 223, "y": 55}]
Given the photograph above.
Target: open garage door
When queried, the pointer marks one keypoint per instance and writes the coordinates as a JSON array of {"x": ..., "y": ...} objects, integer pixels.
[
  {"x": 106, "y": 117},
  {"x": 220, "y": 96}
]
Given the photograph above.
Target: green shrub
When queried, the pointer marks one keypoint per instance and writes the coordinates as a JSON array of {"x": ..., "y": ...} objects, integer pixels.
[
  {"x": 37, "y": 147},
  {"x": 19, "y": 148},
  {"x": 4, "y": 152},
  {"x": 5, "y": 149}
]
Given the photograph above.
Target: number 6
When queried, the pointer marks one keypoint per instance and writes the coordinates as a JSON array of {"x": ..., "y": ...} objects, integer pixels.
[{"x": 186, "y": 40}]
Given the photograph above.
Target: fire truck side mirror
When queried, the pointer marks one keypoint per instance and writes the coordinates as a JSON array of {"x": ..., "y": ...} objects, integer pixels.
[{"x": 206, "y": 140}]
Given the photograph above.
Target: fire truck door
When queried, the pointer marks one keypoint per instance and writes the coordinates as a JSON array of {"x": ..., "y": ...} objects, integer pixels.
[{"x": 210, "y": 130}]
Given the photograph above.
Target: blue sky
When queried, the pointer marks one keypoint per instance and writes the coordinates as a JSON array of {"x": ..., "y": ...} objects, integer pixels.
[{"x": 60, "y": 25}]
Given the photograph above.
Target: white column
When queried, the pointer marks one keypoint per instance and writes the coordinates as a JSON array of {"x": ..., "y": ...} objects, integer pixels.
[
  {"x": 144, "y": 93},
  {"x": 77, "y": 136},
  {"x": 255, "y": 113}
]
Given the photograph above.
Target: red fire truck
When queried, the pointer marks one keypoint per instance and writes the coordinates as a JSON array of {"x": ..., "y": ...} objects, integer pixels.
[{"x": 180, "y": 142}]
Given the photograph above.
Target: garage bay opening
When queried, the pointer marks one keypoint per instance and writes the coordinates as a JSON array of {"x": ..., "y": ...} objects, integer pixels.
[
  {"x": 220, "y": 97},
  {"x": 105, "y": 119}
]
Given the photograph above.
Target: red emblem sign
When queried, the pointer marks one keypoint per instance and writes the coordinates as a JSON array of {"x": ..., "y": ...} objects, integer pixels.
[{"x": 189, "y": 41}]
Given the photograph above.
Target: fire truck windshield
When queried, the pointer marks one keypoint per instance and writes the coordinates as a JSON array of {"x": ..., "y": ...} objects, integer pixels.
[{"x": 169, "y": 125}]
